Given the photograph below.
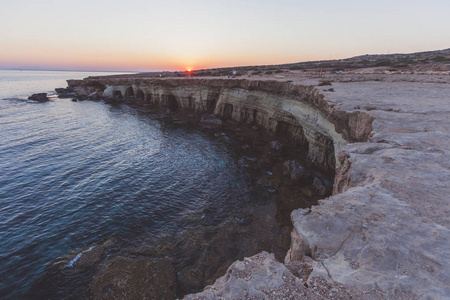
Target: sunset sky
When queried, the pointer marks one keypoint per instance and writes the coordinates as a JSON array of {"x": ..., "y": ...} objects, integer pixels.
[{"x": 146, "y": 35}]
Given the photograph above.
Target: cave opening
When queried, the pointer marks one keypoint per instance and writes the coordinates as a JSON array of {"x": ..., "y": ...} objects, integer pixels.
[
  {"x": 227, "y": 111},
  {"x": 191, "y": 102},
  {"x": 148, "y": 98},
  {"x": 245, "y": 115},
  {"x": 172, "y": 103},
  {"x": 282, "y": 129},
  {"x": 117, "y": 95},
  {"x": 140, "y": 96},
  {"x": 255, "y": 114},
  {"x": 129, "y": 93},
  {"x": 211, "y": 101}
]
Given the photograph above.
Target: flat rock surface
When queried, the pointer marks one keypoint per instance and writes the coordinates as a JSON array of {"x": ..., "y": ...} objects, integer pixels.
[
  {"x": 390, "y": 228},
  {"x": 386, "y": 230},
  {"x": 263, "y": 277}
]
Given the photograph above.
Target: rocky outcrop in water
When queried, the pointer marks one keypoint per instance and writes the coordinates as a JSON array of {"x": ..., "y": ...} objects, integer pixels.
[
  {"x": 65, "y": 93},
  {"x": 40, "y": 97}
]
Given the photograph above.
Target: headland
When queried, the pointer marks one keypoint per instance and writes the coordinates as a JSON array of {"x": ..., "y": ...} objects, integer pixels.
[{"x": 384, "y": 233}]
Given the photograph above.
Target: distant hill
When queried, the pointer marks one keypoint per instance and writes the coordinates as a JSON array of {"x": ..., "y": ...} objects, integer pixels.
[{"x": 438, "y": 60}]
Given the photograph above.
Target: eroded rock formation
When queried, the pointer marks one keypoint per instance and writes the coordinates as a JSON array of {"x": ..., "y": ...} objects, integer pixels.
[
  {"x": 385, "y": 231},
  {"x": 283, "y": 109}
]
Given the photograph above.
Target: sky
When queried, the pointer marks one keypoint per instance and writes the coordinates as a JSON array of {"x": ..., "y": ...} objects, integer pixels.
[{"x": 147, "y": 35}]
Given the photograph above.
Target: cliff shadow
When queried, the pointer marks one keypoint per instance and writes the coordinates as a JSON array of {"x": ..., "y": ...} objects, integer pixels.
[
  {"x": 117, "y": 96},
  {"x": 129, "y": 94},
  {"x": 172, "y": 103}
]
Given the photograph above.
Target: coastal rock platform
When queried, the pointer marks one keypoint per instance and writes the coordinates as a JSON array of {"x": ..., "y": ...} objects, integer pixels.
[{"x": 385, "y": 231}]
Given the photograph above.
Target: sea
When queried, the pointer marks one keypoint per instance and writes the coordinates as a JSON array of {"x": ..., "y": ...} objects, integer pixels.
[{"x": 74, "y": 173}]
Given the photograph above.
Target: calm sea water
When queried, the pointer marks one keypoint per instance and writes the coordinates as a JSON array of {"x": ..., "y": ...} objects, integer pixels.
[{"x": 72, "y": 173}]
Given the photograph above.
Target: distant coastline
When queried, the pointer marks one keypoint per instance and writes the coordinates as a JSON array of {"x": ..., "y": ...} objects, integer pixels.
[
  {"x": 391, "y": 60},
  {"x": 61, "y": 70}
]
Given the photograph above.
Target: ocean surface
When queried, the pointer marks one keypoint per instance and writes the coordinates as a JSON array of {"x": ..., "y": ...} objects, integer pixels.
[{"x": 73, "y": 173}]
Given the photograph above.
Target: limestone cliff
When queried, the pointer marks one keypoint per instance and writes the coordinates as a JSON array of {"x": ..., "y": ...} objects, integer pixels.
[
  {"x": 297, "y": 111},
  {"x": 385, "y": 231}
]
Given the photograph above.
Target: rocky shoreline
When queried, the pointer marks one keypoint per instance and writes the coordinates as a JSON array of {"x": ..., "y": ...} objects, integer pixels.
[
  {"x": 193, "y": 258},
  {"x": 384, "y": 234}
]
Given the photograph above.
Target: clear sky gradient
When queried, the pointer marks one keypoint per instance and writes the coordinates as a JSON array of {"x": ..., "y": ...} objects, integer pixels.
[{"x": 147, "y": 35}]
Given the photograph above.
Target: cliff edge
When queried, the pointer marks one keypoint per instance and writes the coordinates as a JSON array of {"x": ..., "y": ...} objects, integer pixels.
[{"x": 384, "y": 234}]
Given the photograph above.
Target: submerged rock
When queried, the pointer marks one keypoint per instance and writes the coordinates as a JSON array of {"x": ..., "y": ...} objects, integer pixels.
[
  {"x": 134, "y": 278},
  {"x": 275, "y": 146},
  {"x": 40, "y": 97},
  {"x": 295, "y": 170},
  {"x": 210, "y": 120},
  {"x": 65, "y": 92}
]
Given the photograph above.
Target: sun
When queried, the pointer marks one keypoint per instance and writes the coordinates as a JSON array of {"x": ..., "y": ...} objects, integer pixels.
[{"x": 189, "y": 69}]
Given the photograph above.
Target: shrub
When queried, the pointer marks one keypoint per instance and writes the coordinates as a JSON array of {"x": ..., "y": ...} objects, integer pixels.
[
  {"x": 440, "y": 58},
  {"x": 383, "y": 63}
]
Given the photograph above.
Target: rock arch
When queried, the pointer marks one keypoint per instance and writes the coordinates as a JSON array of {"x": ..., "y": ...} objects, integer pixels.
[
  {"x": 140, "y": 96},
  {"x": 129, "y": 93}
]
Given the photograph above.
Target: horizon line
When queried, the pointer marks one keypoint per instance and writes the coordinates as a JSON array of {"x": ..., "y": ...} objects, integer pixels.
[{"x": 38, "y": 68}]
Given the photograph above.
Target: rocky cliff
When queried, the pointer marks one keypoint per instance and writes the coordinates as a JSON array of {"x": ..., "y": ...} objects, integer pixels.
[
  {"x": 385, "y": 231},
  {"x": 281, "y": 108}
]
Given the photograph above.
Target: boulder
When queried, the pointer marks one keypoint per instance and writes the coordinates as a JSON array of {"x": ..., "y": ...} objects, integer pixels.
[
  {"x": 257, "y": 277},
  {"x": 134, "y": 278},
  {"x": 64, "y": 90},
  {"x": 263, "y": 277},
  {"x": 295, "y": 171},
  {"x": 322, "y": 186},
  {"x": 65, "y": 93},
  {"x": 210, "y": 120},
  {"x": 96, "y": 95},
  {"x": 40, "y": 97},
  {"x": 275, "y": 146}
]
